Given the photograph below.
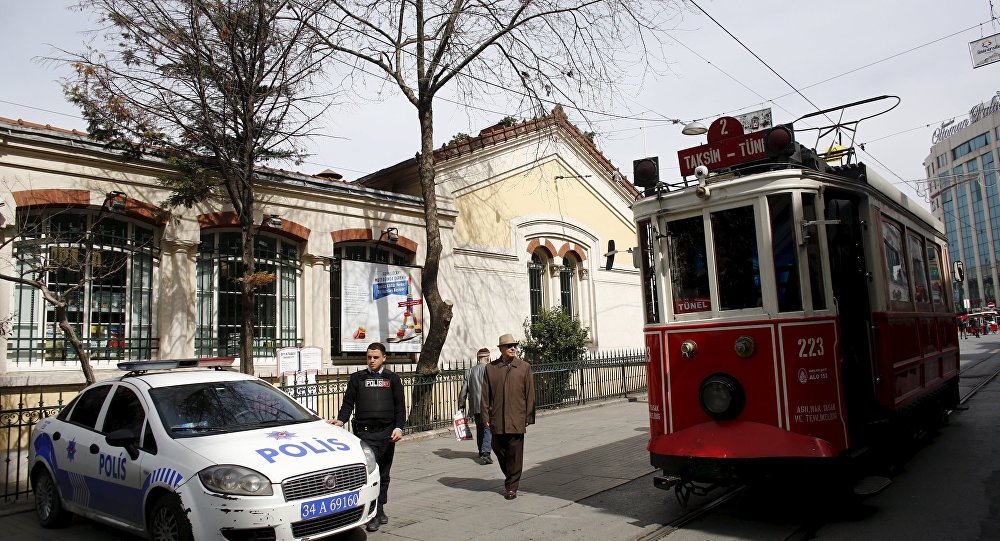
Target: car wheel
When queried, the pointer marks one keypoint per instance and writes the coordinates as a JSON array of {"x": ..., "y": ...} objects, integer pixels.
[
  {"x": 168, "y": 522},
  {"x": 48, "y": 503}
]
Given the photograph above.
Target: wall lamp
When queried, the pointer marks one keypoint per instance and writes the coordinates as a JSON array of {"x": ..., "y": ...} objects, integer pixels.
[
  {"x": 273, "y": 221},
  {"x": 115, "y": 202},
  {"x": 392, "y": 234}
]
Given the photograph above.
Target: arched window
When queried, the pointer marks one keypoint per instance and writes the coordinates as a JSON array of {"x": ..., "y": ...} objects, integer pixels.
[
  {"x": 536, "y": 288},
  {"x": 220, "y": 301},
  {"x": 102, "y": 266},
  {"x": 567, "y": 285},
  {"x": 372, "y": 252}
]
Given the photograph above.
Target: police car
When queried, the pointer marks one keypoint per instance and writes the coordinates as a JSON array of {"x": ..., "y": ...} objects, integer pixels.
[{"x": 199, "y": 454}]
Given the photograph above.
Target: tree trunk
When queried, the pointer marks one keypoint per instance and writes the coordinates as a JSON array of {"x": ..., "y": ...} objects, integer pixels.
[
  {"x": 248, "y": 287},
  {"x": 74, "y": 340},
  {"x": 440, "y": 310}
]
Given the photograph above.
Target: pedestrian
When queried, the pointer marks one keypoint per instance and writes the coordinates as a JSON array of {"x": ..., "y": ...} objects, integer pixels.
[
  {"x": 472, "y": 391},
  {"x": 375, "y": 395},
  {"x": 961, "y": 328},
  {"x": 508, "y": 407}
]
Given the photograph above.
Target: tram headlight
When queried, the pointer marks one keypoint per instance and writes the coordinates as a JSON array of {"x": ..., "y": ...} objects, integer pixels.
[{"x": 722, "y": 397}]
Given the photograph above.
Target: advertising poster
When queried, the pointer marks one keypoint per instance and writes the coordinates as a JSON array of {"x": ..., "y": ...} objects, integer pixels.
[{"x": 380, "y": 303}]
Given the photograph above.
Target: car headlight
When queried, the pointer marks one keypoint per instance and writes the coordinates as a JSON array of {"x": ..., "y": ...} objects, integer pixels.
[
  {"x": 370, "y": 460},
  {"x": 237, "y": 480}
]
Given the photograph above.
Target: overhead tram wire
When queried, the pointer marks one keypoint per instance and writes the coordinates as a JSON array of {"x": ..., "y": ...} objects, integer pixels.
[{"x": 797, "y": 91}]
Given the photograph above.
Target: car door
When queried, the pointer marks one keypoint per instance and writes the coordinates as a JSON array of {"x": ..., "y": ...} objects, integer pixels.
[
  {"x": 119, "y": 478},
  {"x": 76, "y": 448}
]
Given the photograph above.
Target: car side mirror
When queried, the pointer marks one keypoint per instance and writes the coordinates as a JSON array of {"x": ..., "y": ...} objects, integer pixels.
[{"x": 124, "y": 437}]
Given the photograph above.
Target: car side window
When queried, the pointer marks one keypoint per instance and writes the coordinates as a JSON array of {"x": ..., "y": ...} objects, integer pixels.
[
  {"x": 125, "y": 411},
  {"x": 88, "y": 406},
  {"x": 148, "y": 441}
]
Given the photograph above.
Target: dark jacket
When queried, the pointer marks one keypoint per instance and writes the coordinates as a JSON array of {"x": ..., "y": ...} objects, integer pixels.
[
  {"x": 508, "y": 401},
  {"x": 354, "y": 386}
]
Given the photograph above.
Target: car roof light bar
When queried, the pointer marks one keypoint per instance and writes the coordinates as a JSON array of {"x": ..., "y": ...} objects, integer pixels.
[{"x": 167, "y": 364}]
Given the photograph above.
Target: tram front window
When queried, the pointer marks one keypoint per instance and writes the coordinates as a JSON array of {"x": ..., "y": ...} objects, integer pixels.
[
  {"x": 688, "y": 266},
  {"x": 737, "y": 261}
]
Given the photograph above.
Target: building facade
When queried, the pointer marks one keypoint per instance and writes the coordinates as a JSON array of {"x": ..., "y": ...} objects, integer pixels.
[
  {"x": 963, "y": 192},
  {"x": 524, "y": 212}
]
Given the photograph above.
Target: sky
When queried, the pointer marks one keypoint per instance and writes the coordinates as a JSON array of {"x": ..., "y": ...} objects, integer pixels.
[{"x": 817, "y": 55}]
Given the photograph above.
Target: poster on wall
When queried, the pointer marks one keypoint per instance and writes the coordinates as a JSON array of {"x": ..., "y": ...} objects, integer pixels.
[{"x": 380, "y": 303}]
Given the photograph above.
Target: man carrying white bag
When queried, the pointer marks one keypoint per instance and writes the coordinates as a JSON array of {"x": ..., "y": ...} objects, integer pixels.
[{"x": 472, "y": 390}]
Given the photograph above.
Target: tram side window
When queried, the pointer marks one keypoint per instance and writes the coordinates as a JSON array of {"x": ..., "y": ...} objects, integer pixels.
[
  {"x": 895, "y": 265},
  {"x": 737, "y": 264},
  {"x": 817, "y": 285},
  {"x": 649, "y": 289},
  {"x": 915, "y": 249},
  {"x": 688, "y": 266},
  {"x": 786, "y": 268},
  {"x": 937, "y": 280}
]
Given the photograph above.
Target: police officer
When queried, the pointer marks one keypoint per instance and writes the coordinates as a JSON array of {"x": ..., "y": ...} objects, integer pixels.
[{"x": 375, "y": 395}]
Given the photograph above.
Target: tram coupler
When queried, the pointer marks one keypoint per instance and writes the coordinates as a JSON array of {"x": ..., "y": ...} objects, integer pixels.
[{"x": 666, "y": 482}]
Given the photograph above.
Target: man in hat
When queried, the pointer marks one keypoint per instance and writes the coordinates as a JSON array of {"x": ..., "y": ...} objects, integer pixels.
[
  {"x": 472, "y": 390},
  {"x": 508, "y": 407}
]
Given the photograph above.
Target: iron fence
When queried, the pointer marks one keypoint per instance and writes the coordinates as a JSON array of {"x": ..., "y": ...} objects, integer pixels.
[{"x": 430, "y": 400}]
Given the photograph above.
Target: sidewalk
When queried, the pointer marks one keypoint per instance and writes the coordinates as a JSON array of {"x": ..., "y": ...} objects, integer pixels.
[{"x": 440, "y": 492}]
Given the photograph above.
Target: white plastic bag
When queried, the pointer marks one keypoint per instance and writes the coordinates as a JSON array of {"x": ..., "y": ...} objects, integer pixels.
[{"x": 462, "y": 431}]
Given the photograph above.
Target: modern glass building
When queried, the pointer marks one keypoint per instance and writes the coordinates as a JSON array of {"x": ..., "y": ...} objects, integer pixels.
[{"x": 963, "y": 194}]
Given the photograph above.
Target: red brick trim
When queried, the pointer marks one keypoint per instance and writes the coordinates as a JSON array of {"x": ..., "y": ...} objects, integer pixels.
[
  {"x": 44, "y": 198},
  {"x": 358, "y": 234},
  {"x": 289, "y": 229},
  {"x": 542, "y": 243},
  {"x": 134, "y": 208}
]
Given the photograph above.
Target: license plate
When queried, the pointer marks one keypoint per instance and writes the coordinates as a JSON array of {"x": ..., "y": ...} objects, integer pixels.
[{"x": 332, "y": 504}]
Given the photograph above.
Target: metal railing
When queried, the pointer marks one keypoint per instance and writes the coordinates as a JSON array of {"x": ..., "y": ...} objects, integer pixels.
[{"x": 430, "y": 400}]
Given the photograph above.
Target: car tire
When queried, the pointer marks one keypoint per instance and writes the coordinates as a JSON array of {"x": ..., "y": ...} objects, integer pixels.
[
  {"x": 167, "y": 521},
  {"x": 48, "y": 502}
]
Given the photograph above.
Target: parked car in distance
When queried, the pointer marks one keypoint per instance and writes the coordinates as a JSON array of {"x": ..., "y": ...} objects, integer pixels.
[{"x": 188, "y": 449}]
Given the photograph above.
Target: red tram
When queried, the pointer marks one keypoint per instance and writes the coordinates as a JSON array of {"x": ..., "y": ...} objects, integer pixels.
[{"x": 796, "y": 313}]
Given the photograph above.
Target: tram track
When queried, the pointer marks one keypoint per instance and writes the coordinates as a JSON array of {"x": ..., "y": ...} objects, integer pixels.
[
  {"x": 806, "y": 531},
  {"x": 694, "y": 514}
]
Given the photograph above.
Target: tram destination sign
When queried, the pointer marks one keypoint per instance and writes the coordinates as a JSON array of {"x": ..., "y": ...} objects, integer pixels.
[
  {"x": 727, "y": 146},
  {"x": 723, "y": 153}
]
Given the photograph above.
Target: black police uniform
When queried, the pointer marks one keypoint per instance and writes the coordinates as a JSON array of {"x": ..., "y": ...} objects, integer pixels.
[{"x": 377, "y": 401}]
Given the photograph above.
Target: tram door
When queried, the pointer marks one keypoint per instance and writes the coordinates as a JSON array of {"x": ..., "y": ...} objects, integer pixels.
[{"x": 849, "y": 273}]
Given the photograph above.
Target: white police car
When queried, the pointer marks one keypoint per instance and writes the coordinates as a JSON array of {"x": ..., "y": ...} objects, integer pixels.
[{"x": 200, "y": 454}]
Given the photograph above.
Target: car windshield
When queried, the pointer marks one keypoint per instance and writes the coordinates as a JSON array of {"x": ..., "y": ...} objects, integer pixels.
[{"x": 224, "y": 406}]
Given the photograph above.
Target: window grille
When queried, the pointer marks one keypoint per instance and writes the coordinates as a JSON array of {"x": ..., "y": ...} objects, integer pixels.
[
  {"x": 103, "y": 267},
  {"x": 220, "y": 298}
]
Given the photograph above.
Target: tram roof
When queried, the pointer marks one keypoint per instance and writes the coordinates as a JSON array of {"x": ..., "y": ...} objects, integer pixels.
[{"x": 858, "y": 172}]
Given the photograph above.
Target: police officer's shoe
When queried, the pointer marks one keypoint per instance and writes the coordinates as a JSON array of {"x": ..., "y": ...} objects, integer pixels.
[
  {"x": 372, "y": 525},
  {"x": 381, "y": 516}
]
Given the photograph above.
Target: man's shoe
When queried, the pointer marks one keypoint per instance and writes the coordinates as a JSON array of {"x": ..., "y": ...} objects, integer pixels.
[
  {"x": 510, "y": 495},
  {"x": 485, "y": 459},
  {"x": 381, "y": 516},
  {"x": 372, "y": 525}
]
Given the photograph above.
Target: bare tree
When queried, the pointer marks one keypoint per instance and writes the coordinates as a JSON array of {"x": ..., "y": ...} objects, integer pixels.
[
  {"x": 61, "y": 262},
  {"x": 218, "y": 87},
  {"x": 561, "y": 51}
]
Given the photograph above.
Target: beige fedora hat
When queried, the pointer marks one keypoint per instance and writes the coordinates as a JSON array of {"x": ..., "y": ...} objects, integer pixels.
[{"x": 507, "y": 339}]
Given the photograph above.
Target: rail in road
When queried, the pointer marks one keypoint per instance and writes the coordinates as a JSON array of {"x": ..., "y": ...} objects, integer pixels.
[{"x": 979, "y": 366}]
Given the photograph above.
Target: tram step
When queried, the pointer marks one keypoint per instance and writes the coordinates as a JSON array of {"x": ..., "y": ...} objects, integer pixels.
[
  {"x": 665, "y": 482},
  {"x": 871, "y": 485}
]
